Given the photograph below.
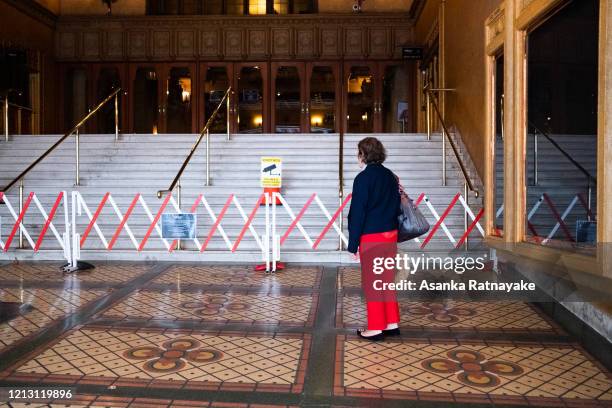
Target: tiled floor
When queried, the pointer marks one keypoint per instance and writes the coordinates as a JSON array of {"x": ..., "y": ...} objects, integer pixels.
[
  {"x": 226, "y": 336},
  {"x": 217, "y": 307},
  {"x": 453, "y": 315},
  {"x": 533, "y": 372}
]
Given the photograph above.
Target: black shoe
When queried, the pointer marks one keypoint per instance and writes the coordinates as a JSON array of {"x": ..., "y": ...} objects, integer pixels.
[
  {"x": 392, "y": 332},
  {"x": 376, "y": 337}
]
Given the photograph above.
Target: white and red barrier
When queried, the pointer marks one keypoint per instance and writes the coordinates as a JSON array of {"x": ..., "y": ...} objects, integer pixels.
[
  {"x": 82, "y": 223},
  {"x": 60, "y": 203},
  {"x": 559, "y": 217}
]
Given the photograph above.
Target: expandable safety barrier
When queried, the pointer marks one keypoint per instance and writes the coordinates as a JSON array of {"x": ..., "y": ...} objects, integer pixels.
[
  {"x": 19, "y": 227},
  {"x": 83, "y": 219},
  {"x": 559, "y": 217}
]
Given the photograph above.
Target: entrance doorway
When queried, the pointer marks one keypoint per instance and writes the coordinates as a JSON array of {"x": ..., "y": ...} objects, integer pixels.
[{"x": 268, "y": 97}]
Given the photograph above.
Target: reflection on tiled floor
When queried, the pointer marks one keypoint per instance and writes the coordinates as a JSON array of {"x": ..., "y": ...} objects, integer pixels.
[
  {"x": 470, "y": 370},
  {"x": 240, "y": 276},
  {"x": 49, "y": 272},
  {"x": 46, "y": 305},
  {"x": 180, "y": 358},
  {"x": 230, "y": 307},
  {"x": 507, "y": 316}
]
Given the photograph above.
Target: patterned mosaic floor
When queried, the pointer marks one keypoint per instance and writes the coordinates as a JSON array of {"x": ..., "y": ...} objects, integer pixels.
[
  {"x": 453, "y": 315},
  {"x": 45, "y": 307},
  {"x": 226, "y": 336},
  {"x": 49, "y": 272},
  {"x": 239, "y": 276},
  {"x": 221, "y": 307}
]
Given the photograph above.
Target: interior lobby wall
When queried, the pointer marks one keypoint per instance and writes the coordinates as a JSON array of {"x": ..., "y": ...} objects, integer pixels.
[
  {"x": 24, "y": 31},
  {"x": 463, "y": 54},
  {"x": 464, "y": 49}
]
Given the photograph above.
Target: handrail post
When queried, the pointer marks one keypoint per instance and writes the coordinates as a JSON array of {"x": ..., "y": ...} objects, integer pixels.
[
  {"x": 227, "y": 105},
  {"x": 179, "y": 245},
  {"x": 428, "y": 113},
  {"x": 466, "y": 195},
  {"x": 207, "y": 157},
  {"x": 116, "y": 117},
  {"x": 19, "y": 121},
  {"x": 20, "y": 211},
  {"x": 536, "y": 153},
  {"x": 6, "y": 118},
  {"x": 76, "y": 142},
  {"x": 589, "y": 199},
  {"x": 341, "y": 186},
  {"x": 444, "y": 136}
]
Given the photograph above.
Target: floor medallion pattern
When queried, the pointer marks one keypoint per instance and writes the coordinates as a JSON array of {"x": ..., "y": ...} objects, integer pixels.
[
  {"x": 180, "y": 357},
  {"x": 455, "y": 315},
  {"x": 294, "y": 310},
  {"x": 531, "y": 372}
]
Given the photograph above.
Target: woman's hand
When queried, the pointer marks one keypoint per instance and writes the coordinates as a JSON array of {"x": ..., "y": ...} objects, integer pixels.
[{"x": 355, "y": 257}]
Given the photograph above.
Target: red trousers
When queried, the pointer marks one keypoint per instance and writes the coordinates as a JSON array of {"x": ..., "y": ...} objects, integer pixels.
[{"x": 385, "y": 309}]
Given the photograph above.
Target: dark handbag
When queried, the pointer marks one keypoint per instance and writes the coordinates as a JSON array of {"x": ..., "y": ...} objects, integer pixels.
[{"x": 412, "y": 222}]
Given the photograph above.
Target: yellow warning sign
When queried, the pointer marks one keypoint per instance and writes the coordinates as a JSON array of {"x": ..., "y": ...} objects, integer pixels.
[{"x": 271, "y": 172}]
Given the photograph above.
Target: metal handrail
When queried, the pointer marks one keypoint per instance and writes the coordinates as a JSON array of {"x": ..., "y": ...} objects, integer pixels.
[
  {"x": 205, "y": 131},
  {"x": 15, "y": 105},
  {"x": 446, "y": 134},
  {"x": 5, "y": 107},
  {"x": 75, "y": 129},
  {"x": 564, "y": 152}
]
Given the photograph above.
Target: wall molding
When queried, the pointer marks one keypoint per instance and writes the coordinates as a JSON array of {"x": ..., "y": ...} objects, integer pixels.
[{"x": 233, "y": 38}]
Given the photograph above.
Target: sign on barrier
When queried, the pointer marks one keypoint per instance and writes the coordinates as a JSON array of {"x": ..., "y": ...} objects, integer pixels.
[{"x": 179, "y": 226}]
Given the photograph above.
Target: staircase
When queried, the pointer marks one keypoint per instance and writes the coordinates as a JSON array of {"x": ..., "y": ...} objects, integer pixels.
[{"x": 147, "y": 163}]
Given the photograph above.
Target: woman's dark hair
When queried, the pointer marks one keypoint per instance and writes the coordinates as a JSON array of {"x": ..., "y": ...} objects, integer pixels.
[{"x": 371, "y": 150}]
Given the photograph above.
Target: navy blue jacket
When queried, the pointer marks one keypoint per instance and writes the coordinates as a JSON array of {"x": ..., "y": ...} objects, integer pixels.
[{"x": 375, "y": 204}]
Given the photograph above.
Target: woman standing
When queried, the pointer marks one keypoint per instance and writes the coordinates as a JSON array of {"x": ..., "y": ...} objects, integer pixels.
[{"x": 372, "y": 224}]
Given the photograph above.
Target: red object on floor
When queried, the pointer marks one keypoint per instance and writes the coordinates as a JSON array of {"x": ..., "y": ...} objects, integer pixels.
[
  {"x": 268, "y": 191},
  {"x": 262, "y": 267}
]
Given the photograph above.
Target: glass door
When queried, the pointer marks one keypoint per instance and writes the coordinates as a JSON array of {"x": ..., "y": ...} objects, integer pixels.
[
  {"x": 395, "y": 107},
  {"x": 361, "y": 103},
  {"x": 251, "y": 102},
  {"x": 144, "y": 99},
  {"x": 178, "y": 114},
  {"x": 324, "y": 88},
  {"x": 289, "y": 107},
  {"x": 76, "y": 95},
  {"x": 109, "y": 77},
  {"x": 215, "y": 79}
]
